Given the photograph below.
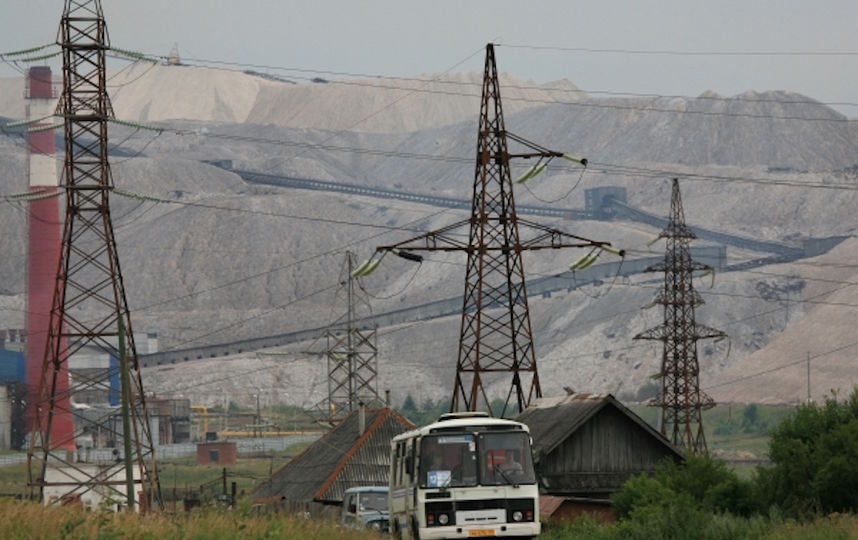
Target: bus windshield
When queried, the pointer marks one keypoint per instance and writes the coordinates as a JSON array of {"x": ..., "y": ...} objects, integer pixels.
[
  {"x": 487, "y": 458},
  {"x": 448, "y": 461},
  {"x": 505, "y": 458}
]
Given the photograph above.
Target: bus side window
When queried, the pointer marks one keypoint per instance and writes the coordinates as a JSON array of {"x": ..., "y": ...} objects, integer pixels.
[
  {"x": 397, "y": 469},
  {"x": 410, "y": 462}
]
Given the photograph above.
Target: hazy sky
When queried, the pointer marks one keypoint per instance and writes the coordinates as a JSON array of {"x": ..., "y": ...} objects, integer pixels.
[{"x": 405, "y": 38}]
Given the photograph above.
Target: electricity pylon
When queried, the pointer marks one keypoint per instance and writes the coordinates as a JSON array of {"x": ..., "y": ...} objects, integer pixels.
[
  {"x": 352, "y": 356},
  {"x": 89, "y": 314},
  {"x": 496, "y": 335},
  {"x": 681, "y": 400}
]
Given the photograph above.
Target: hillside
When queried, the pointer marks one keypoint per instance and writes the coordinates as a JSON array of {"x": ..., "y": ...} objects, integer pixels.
[
  {"x": 228, "y": 260},
  {"x": 379, "y": 105}
]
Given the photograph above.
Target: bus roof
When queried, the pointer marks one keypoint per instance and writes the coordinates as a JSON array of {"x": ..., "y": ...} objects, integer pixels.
[{"x": 464, "y": 424}]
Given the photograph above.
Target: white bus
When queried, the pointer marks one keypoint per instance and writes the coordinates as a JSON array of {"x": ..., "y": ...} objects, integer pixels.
[{"x": 467, "y": 475}]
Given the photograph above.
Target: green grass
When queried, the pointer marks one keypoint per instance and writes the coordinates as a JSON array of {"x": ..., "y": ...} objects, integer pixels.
[
  {"x": 13, "y": 479},
  {"x": 183, "y": 475},
  {"x": 835, "y": 526},
  {"x": 24, "y": 520}
]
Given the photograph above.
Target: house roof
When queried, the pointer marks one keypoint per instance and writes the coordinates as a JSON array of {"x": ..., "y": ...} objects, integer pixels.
[
  {"x": 339, "y": 460},
  {"x": 552, "y": 420}
]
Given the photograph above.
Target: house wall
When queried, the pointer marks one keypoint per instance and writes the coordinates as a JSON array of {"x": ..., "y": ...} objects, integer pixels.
[{"x": 601, "y": 455}]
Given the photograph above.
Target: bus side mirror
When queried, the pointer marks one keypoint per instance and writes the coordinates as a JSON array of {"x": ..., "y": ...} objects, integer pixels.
[{"x": 409, "y": 465}]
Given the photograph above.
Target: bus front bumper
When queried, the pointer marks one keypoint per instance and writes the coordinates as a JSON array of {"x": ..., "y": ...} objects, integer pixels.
[{"x": 472, "y": 531}]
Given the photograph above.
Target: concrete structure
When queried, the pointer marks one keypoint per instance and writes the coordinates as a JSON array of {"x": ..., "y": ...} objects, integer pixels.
[
  {"x": 103, "y": 431},
  {"x": 216, "y": 453},
  {"x": 91, "y": 363},
  {"x": 175, "y": 415},
  {"x": 110, "y": 494}
]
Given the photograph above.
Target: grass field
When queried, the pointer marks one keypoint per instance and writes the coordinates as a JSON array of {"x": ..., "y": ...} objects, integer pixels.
[
  {"x": 25, "y": 520},
  {"x": 732, "y": 429}
]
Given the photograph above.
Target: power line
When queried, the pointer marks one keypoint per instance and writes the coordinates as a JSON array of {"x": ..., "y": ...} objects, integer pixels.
[
  {"x": 784, "y": 366},
  {"x": 624, "y": 170},
  {"x": 202, "y": 63},
  {"x": 208, "y": 64},
  {"x": 245, "y": 320},
  {"x": 595, "y": 105},
  {"x": 149, "y": 198},
  {"x": 676, "y": 52}
]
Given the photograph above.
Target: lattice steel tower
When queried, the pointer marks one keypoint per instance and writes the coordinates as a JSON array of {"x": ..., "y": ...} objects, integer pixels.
[
  {"x": 496, "y": 336},
  {"x": 681, "y": 400},
  {"x": 89, "y": 309},
  {"x": 352, "y": 356}
]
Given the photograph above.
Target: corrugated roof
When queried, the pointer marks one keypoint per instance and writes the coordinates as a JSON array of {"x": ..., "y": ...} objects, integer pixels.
[
  {"x": 339, "y": 460},
  {"x": 553, "y": 419}
]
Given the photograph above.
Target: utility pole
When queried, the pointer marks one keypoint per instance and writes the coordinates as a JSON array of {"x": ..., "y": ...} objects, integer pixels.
[
  {"x": 808, "y": 376},
  {"x": 682, "y": 402},
  {"x": 126, "y": 418},
  {"x": 257, "y": 427},
  {"x": 89, "y": 309},
  {"x": 495, "y": 335},
  {"x": 350, "y": 318}
]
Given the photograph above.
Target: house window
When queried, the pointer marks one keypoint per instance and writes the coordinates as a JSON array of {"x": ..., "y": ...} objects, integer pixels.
[{"x": 214, "y": 456}]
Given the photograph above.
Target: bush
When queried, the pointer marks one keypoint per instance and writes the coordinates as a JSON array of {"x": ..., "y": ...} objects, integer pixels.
[
  {"x": 709, "y": 485},
  {"x": 815, "y": 460}
]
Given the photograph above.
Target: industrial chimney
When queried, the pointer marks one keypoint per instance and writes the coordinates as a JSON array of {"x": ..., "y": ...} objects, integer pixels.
[{"x": 43, "y": 250}]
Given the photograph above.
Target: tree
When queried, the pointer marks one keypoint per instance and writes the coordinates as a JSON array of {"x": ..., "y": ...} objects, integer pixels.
[
  {"x": 409, "y": 407},
  {"x": 750, "y": 417},
  {"x": 815, "y": 460}
]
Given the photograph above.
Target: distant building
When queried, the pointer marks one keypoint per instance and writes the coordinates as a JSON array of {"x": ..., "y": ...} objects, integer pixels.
[
  {"x": 586, "y": 446},
  {"x": 216, "y": 453},
  {"x": 355, "y": 453},
  {"x": 175, "y": 414}
]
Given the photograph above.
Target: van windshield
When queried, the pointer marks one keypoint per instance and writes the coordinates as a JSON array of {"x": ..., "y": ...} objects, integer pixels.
[{"x": 373, "y": 502}]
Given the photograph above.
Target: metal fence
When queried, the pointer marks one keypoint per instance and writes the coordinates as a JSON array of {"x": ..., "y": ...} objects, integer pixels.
[{"x": 243, "y": 447}]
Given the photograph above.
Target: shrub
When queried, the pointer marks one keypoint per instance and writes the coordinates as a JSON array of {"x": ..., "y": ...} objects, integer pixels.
[{"x": 815, "y": 460}]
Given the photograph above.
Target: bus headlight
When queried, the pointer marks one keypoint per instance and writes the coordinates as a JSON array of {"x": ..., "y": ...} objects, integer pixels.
[
  {"x": 443, "y": 519},
  {"x": 517, "y": 515}
]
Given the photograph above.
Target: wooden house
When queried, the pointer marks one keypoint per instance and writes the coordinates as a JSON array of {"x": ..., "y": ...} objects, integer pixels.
[{"x": 586, "y": 446}]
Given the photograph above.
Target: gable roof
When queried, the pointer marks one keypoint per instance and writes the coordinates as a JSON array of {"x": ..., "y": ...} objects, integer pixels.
[
  {"x": 552, "y": 420},
  {"x": 339, "y": 460}
]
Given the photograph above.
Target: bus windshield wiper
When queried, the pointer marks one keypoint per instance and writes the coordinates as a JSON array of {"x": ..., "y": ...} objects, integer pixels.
[{"x": 499, "y": 469}]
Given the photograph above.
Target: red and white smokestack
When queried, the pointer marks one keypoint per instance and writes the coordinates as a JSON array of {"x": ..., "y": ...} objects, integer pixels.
[{"x": 43, "y": 253}]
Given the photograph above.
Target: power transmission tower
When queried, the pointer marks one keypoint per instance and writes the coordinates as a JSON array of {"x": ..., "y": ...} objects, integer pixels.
[
  {"x": 495, "y": 336},
  {"x": 89, "y": 316},
  {"x": 352, "y": 357},
  {"x": 682, "y": 402}
]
